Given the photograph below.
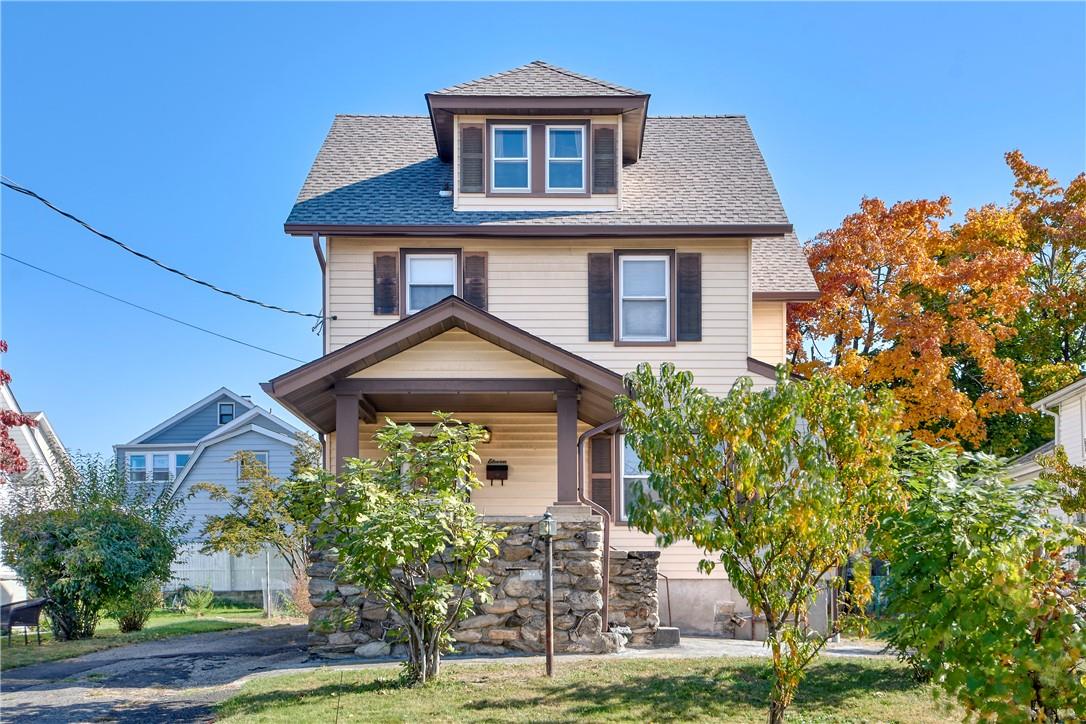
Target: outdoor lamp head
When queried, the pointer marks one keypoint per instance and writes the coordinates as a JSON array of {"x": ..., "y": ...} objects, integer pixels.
[{"x": 548, "y": 526}]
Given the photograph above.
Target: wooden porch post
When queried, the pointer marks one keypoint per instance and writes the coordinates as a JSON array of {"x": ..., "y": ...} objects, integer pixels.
[
  {"x": 566, "y": 403},
  {"x": 346, "y": 427}
]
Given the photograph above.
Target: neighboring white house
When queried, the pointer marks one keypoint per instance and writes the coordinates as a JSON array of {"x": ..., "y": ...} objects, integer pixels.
[
  {"x": 42, "y": 450},
  {"x": 196, "y": 445},
  {"x": 1067, "y": 407}
]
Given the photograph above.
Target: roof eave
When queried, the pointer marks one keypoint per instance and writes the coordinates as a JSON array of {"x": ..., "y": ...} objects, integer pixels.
[{"x": 542, "y": 231}]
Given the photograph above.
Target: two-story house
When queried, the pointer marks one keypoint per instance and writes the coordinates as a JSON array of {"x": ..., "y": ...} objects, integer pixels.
[
  {"x": 512, "y": 253},
  {"x": 199, "y": 444}
]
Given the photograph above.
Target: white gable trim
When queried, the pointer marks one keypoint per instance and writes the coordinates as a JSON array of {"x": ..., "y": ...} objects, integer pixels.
[
  {"x": 206, "y": 443},
  {"x": 247, "y": 404},
  {"x": 1059, "y": 395}
]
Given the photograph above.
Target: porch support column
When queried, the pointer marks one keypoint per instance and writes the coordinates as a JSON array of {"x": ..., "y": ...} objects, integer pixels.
[
  {"x": 346, "y": 427},
  {"x": 566, "y": 404}
]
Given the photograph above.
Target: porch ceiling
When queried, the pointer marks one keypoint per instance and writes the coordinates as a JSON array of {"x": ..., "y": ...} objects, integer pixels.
[{"x": 310, "y": 390}]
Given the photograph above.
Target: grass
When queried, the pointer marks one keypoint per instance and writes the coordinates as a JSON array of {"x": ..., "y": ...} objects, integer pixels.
[
  {"x": 163, "y": 624},
  {"x": 717, "y": 689}
]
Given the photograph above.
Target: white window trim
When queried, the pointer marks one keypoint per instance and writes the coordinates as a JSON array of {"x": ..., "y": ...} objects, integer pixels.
[
  {"x": 149, "y": 463},
  {"x": 407, "y": 275},
  {"x": 622, "y": 476},
  {"x": 622, "y": 259},
  {"x": 547, "y": 161},
  {"x": 218, "y": 411},
  {"x": 494, "y": 158},
  {"x": 267, "y": 463}
]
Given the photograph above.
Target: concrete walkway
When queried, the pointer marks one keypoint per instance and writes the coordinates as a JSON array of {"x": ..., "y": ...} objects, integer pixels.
[{"x": 180, "y": 679}]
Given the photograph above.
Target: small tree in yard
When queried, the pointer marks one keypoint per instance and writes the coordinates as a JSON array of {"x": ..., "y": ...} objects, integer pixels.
[
  {"x": 778, "y": 487},
  {"x": 258, "y": 511},
  {"x": 405, "y": 531},
  {"x": 982, "y": 597},
  {"x": 90, "y": 541}
]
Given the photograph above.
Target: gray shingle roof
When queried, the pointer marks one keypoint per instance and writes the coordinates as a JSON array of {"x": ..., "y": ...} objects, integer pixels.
[
  {"x": 694, "y": 170},
  {"x": 537, "y": 79},
  {"x": 779, "y": 266}
]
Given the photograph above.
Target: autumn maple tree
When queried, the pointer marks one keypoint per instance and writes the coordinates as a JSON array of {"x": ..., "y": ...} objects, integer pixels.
[
  {"x": 919, "y": 307},
  {"x": 11, "y": 460}
]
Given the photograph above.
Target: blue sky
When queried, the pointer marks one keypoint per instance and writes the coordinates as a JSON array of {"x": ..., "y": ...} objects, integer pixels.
[{"x": 187, "y": 129}]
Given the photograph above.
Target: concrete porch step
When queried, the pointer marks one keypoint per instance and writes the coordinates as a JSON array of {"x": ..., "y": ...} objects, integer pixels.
[{"x": 666, "y": 637}]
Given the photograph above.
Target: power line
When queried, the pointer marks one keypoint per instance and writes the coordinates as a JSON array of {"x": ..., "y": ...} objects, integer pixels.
[
  {"x": 149, "y": 311},
  {"x": 4, "y": 180}
]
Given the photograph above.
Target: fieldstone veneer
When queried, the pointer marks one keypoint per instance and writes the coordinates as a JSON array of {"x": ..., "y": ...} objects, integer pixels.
[{"x": 344, "y": 622}]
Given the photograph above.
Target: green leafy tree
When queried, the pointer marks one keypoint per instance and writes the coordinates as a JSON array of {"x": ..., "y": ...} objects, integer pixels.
[
  {"x": 90, "y": 540},
  {"x": 258, "y": 513},
  {"x": 982, "y": 597},
  {"x": 779, "y": 487},
  {"x": 406, "y": 532}
]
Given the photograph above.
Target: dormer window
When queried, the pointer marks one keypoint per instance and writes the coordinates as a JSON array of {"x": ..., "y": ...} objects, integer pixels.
[
  {"x": 510, "y": 167},
  {"x": 565, "y": 159}
]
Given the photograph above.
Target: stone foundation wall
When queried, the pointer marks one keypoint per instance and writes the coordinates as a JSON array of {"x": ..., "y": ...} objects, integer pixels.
[
  {"x": 633, "y": 595},
  {"x": 344, "y": 622}
]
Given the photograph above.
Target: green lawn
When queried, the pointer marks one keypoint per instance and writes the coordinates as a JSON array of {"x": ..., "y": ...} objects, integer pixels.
[
  {"x": 609, "y": 689},
  {"x": 162, "y": 625}
]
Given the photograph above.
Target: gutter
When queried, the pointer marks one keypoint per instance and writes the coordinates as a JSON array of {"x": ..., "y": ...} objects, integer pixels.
[
  {"x": 542, "y": 231},
  {"x": 606, "y": 563}
]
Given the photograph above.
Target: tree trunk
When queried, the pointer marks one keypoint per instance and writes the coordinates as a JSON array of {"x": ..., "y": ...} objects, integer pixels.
[{"x": 776, "y": 712}]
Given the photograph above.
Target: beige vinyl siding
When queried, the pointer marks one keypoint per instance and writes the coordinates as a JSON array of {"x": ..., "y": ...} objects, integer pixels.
[
  {"x": 767, "y": 334},
  {"x": 541, "y": 286},
  {"x": 456, "y": 353}
]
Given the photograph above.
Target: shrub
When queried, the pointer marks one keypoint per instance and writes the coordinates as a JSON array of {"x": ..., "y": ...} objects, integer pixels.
[
  {"x": 132, "y": 612},
  {"x": 90, "y": 539},
  {"x": 982, "y": 597},
  {"x": 391, "y": 518},
  {"x": 198, "y": 601}
]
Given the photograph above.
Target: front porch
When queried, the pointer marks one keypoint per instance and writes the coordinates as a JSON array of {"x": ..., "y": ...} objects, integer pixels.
[{"x": 534, "y": 397}]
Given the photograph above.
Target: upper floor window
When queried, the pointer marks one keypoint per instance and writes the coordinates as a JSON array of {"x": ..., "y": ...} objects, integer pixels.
[
  {"x": 160, "y": 468},
  {"x": 565, "y": 158},
  {"x": 510, "y": 165},
  {"x": 226, "y": 412},
  {"x": 644, "y": 293},
  {"x": 137, "y": 468},
  {"x": 430, "y": 278},
  {"x": 180, "y": 461}
]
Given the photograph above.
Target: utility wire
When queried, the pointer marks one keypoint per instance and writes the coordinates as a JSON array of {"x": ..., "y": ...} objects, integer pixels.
[
  {"x": 4, "y": 180},
  {"x": 145, "y": 309}
]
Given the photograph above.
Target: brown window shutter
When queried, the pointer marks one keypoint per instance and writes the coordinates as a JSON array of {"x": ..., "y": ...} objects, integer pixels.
[
  {"x": 688, "y": 297},
  {"x": 471, "y": 159},
  {"x": 604, "y": 161},
  {"x": 474, "y": 284},
  {"x": 386, "y": 282},
  {"x": 602, "y": 488},
  {"x": 601, "y": 304}
]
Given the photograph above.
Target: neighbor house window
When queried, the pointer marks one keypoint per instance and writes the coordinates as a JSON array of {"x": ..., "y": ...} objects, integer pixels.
[
  {"x": 179, "y": 464},
  {"x": 226, "y": 412},
  {"x": 565, "y": 159},
  {"x": 632, "y": 475},
  {"x": 137, "y": 468},
  {"x": 509, "y": 164},
  {"x": 160, "y": 468},
  {"x": 430, "y": 278},
  {"x": 260, "y": 457},
  {"x": 644, "y": 289}
]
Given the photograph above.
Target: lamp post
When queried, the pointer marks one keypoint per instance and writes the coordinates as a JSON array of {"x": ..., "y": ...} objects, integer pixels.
[{"x": 548, "y": 527}]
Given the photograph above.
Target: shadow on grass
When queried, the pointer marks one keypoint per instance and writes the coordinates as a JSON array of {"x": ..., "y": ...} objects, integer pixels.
[
  {"x": 253, "y": 704},
  {"x": 712, "y": 692}
]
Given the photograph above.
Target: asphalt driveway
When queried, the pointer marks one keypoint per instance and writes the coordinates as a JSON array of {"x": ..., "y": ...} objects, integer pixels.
[{"x": 174, "y": 680}]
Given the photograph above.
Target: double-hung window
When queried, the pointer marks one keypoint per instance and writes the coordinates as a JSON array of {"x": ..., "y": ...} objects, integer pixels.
[
  {"x": 137, "y": 468},
  {"x": 632, "y": 475},
  {"x": 180, "y": 461},
  {"x": 260, "y": 457},
  {"x": 565, "y": 159},
  {"x": 644, "y": 292},
  {"x": 430, "y": 278},
  {"x": 160, "y": 467},
  {"x": 226, "y": 412},
  {"x": 510, "y": 167}
]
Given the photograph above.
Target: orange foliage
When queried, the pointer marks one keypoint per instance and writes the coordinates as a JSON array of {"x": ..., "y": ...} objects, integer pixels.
[{"x": 914, "y": 307}]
